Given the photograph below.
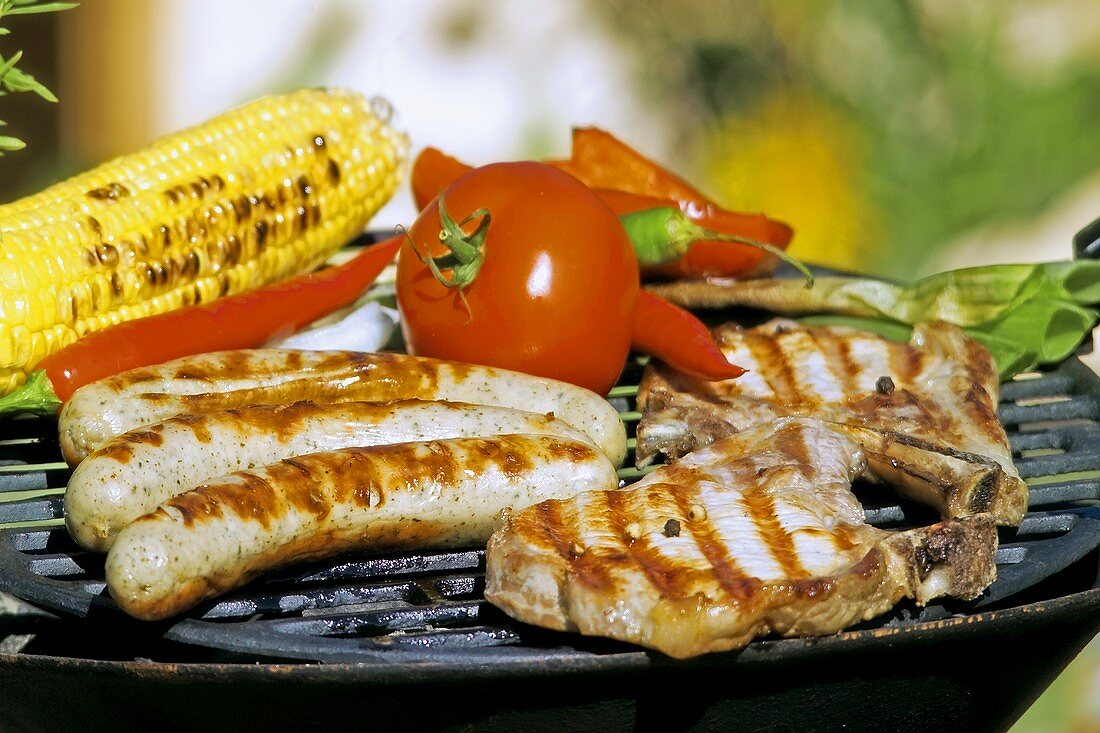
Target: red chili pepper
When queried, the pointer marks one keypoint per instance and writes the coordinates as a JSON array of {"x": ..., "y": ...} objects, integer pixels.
[
  {"x": 604, "y": 162},
  {"x": 679, "y": 339},
  {"x": 707, "y": 257},
  {"x": 244, "y": 321},
  {"x": 628, "y": 182}
]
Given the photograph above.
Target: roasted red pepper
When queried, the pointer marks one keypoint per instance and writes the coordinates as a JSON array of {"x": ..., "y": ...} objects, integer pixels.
[
  {"x": 679, "y": 339},
  {"x": 242, "y": 321}
]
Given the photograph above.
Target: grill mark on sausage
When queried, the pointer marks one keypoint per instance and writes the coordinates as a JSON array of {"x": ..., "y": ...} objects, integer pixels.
[
  {"x": 152, "y": 436},
  {"x": 117, "y": 450},
  {"x": 436, "y": 462},
  {"x": 304, "y": 491},
  {"x": 198, "y": 424}
]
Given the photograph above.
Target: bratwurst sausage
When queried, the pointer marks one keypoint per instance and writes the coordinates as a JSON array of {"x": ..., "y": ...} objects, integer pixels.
[
  {"x": 228, "y": 379},
  {"x": 403, "y": 496},
  {"x": 134, "y": 473}
]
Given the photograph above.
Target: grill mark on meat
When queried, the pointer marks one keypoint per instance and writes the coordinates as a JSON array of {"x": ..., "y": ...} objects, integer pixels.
[
  {"x": 791, "y": 443},
  {"x": 762, "y": 511},
  {"x": 838, "y": 359},
  {"x": 558, "y": 521},
  {"x": 550, "y": 530},
  {"x": 774, "y": 367},
  {"x": 976, "y": 403},
  {"x": 905, "y": 363},
  {"x": 663, "y": 574},
  {"x": 732, "y": 580},
  {"x": 979, "y": 367},
  {"x": 842, "y": 536},
  {"x": 809, "y": 364}
]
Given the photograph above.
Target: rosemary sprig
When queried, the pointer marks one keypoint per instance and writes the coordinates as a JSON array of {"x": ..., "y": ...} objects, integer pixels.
[{"x": 14, "y": 79}]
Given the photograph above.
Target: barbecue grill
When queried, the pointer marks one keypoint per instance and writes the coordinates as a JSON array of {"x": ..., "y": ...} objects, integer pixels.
[{"x": 408, "y": 639}]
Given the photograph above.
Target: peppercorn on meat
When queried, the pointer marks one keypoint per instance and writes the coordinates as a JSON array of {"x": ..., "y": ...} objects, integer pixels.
[{"x": 258, "y": 194}]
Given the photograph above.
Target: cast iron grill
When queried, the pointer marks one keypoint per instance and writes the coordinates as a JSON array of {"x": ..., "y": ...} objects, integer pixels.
[{"x": 429, "y": 606}]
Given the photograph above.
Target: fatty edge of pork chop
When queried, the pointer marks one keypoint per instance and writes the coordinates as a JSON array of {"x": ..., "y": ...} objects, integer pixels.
[
  {"x": 758, "y": 533},
  {"x": 925, "y": 412}
]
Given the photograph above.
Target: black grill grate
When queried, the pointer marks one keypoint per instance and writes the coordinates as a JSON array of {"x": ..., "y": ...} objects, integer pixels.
[{"x": 429, "y": 606}]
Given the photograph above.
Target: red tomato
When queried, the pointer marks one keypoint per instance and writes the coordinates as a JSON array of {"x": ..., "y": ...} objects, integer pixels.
[{"x": 555, "y": 294}]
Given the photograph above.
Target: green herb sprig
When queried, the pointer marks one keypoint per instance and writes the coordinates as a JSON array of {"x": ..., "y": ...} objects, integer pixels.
[{"x": 14, "y": 79}]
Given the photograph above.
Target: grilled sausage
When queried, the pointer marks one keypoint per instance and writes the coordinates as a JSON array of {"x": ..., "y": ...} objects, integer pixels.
[
  {"x": 135, "y": 472},
  {"x": 230, "y": 379},
  {"x": 402, "y": 496}
]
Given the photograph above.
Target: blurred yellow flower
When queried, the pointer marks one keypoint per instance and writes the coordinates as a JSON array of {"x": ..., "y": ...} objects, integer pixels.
[{"x": 796, "y": 159}]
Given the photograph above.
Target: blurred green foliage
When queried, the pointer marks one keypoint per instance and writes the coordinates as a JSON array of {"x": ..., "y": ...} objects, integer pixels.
[{"x": 965, "y": 113}]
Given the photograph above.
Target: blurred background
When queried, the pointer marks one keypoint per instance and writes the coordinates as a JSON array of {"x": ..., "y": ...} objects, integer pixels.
[{"x": 898, "y": 137}]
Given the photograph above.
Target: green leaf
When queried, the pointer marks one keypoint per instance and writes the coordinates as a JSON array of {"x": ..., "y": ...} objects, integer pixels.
[
  {"x": 25, "y": 9},
  {"x": 20, "y": 81},
  {"x": 11, "y": 143},
  {"x": 8, "y": 65}
]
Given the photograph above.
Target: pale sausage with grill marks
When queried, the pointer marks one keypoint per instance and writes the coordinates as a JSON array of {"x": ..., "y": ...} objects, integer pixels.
[
  {"x": 135, "y": 472},
  {"x": 229, "y": 379},
  {"x": 437, "y": 493}
]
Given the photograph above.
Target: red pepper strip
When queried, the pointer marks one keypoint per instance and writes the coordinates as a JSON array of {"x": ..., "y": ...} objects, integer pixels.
[
  {"x": 433, "y": 171},
  {"x": 244, "y": 321},
  {"x": 601, "y": 160},
  {"x": 679, "y": 339}
]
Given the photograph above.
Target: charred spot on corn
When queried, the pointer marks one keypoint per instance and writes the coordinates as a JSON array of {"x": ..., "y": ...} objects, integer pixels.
[{"x": 111, "y": 192}]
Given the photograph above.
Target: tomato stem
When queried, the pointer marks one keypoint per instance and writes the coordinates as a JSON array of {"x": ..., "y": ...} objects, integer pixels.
[{"x": 465, "y": 252}]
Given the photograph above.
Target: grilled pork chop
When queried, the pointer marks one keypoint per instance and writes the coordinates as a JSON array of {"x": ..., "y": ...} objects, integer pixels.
[
  {"x": 756, "y": 533},
  {"x": 923, "y": 411}
]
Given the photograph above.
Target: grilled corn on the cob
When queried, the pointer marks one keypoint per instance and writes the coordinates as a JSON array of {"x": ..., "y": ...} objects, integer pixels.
[{"x": 255, "y": 195}]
